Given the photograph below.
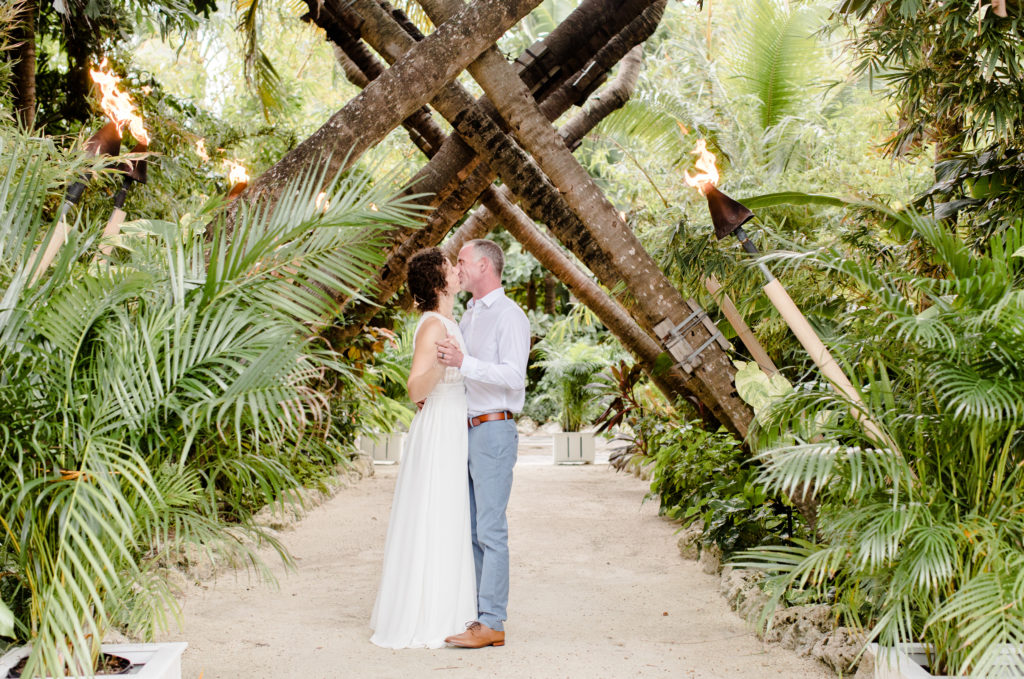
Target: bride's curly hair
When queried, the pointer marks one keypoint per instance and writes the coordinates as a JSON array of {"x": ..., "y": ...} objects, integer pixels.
[{"x": 427, "y": 278}]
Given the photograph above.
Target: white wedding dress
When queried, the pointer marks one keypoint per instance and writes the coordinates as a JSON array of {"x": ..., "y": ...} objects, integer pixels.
[{"x": 428, "y": 582}]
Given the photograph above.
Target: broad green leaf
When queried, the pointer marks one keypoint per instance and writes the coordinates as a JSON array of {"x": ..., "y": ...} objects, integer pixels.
[
  {"x": 756, "y": 388},
  {"x": 6, "y": 621},
  {"x": 792, "y": 198}
]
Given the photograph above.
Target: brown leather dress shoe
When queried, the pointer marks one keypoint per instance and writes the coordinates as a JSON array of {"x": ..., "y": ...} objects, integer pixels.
[{"x": 477, "y": 635}]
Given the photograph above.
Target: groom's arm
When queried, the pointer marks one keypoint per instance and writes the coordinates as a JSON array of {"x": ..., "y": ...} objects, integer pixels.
[{"x": 513, "y": 353}]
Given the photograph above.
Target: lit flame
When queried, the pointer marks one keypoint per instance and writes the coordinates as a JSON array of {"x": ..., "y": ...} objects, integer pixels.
[
  {"x": 708, "y": 174},
  {"x": 323, "y": 203},
  {"x": 201, "y": 150},
  {"x": 117, "y": 105},
  {"x": 237, "y": 173}
]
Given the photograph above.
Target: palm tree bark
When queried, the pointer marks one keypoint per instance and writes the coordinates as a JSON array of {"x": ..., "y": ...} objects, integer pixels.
[
  {"x": 567, "y": 47},
  {"x": 499, "y": 207},
  {"x": 606, "y": 244},
  {"x": 361, "y": 66},
  {"x": 601, "y": 106},
  {"x": 23, "y": 84},
  {"x": 518, "y": 171},
  {"x": 397, "y": 93},
  {"x": 388, "y": 37}
]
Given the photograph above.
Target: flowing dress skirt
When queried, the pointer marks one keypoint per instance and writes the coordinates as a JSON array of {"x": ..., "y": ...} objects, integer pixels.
[{"x": 427, "y": 587}]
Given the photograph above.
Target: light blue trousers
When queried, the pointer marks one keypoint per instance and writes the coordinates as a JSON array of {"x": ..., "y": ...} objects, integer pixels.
[{"x": 493, "y": 449}]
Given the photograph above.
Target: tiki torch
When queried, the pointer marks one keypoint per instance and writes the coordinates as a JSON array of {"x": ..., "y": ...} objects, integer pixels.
[
  {"x": 106, "y": 142},
  {"x": 728, "y": 217},
  {"x": 135, "y": 172},
  {"x": 118, "y": 106},
  {"x": 237, "y": 176}
]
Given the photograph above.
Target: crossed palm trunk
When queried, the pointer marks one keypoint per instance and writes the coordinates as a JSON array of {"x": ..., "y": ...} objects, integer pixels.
[{"x": 534, "y": 162}]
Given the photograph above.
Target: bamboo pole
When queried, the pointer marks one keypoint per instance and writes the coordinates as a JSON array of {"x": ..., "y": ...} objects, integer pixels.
[
  {"x": 60, "y": 237},
  {"x": 111, "y": 230},
  {"x": 744, "y": 332},
  {"x": 822, "y": 358}
]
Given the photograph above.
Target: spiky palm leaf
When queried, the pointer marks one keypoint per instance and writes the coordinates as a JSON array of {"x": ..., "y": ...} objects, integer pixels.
[
  {"x": 157, "y": 403},
  {"x": 774, "y": 56},
  {"x": 938, "y": 527},
  {"x": 259, "y": 71}
]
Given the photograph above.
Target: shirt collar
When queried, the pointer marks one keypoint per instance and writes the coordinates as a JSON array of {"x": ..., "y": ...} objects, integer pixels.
[{"x": 488, "y": 300}]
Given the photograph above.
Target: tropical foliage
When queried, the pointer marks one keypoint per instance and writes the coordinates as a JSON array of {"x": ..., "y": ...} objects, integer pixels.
[
  {"x": 954, "y": 69},
  {"x": 922, "y": 539},
  {"x": 158, "y": 398},
  {"x": 570, "y": 364},
  {"x": 707, "y": 476}
]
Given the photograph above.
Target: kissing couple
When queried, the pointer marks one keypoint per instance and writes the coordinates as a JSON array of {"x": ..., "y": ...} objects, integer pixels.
[{"x": 446, "y": 557}]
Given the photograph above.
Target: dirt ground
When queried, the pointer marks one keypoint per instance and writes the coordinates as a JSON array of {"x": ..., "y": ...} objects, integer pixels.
[{"x": 598, "y": 590}]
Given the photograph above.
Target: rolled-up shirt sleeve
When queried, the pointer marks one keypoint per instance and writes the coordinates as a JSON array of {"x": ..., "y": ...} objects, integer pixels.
[{"x": 513, "y": 352}]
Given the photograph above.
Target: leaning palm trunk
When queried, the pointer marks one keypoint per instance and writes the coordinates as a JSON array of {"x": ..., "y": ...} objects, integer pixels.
[
  {"x": 396, "y": 94},
  {"x": 387, "y": 35},
  {"x": 499, "y": 208},
  {"x": 560, "y": 56},
  {"x": 610, "y": 99},
  {"x": 442, "y": 176},
  {"x": 604, "y": 243}
]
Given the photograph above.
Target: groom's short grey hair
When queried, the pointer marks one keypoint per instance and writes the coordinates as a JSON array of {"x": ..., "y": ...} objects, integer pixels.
[{"x": 491, "y": 250}]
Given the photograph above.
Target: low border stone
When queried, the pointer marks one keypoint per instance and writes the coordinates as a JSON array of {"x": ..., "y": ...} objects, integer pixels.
[{"x": 809, "y": 630}]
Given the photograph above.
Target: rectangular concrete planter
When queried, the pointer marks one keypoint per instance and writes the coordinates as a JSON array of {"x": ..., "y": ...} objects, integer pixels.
[
  {"x": 149, "y": 661},
  {"x": 573, "y": 446},
  {"x": 383, "y": 448},
  {"x": 908, "y": 661}
]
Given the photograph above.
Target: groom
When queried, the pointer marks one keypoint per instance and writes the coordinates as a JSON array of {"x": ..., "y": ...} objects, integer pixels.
[{"x": 497, "y": 335}]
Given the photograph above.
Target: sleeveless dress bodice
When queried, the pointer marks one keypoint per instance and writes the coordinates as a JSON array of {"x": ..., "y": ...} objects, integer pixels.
[{"x": 451, "y": 375}]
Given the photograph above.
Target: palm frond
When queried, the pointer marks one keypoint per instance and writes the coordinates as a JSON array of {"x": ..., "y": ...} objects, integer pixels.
[
  {"x": 774, "y": 56},
  {"x": 259, "y": 72},
  {"x": 987, "y": 616},
  {"x": 973, "y": 394}
]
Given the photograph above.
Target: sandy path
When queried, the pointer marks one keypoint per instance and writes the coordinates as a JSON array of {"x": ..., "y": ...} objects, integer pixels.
[{"x": 598, "y": 590}]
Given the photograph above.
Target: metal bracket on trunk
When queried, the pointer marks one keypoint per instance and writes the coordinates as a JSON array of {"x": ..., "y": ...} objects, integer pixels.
[
  {"x": 530, "y": 61},
  {"x": 674, "y": 337}
]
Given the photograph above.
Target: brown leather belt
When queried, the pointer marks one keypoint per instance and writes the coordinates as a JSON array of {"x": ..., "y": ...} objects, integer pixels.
[{"x": 489, "y": 417}]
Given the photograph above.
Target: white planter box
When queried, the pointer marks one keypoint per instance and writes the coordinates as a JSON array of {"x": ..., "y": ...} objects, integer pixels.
[
  {"x": 573, "y": 446},
  {"x": 908, "y": 661},
  {"x": 383, "y": 448},
  {"x": 149, "y": 661}
]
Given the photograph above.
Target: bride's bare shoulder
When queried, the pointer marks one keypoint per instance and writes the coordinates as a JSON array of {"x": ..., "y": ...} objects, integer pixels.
[{"x": 431, "y": 328}]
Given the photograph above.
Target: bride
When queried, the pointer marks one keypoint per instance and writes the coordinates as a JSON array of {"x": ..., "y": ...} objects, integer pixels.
[{"x": 427, "y": 586}]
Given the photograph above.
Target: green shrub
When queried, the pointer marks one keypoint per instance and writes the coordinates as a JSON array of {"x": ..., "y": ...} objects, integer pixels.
[
  {"x": 157, "y": 400},
  {"x": 923, "y": 534},
  {"x": 699, "y": 474}
]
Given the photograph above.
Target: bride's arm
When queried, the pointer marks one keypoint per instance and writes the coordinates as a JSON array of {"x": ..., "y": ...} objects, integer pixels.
[{"x": 426, "y": 372}]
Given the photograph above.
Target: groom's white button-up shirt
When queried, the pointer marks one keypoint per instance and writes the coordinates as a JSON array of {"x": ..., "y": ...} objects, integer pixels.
[{"x": 497, "y": 335}]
